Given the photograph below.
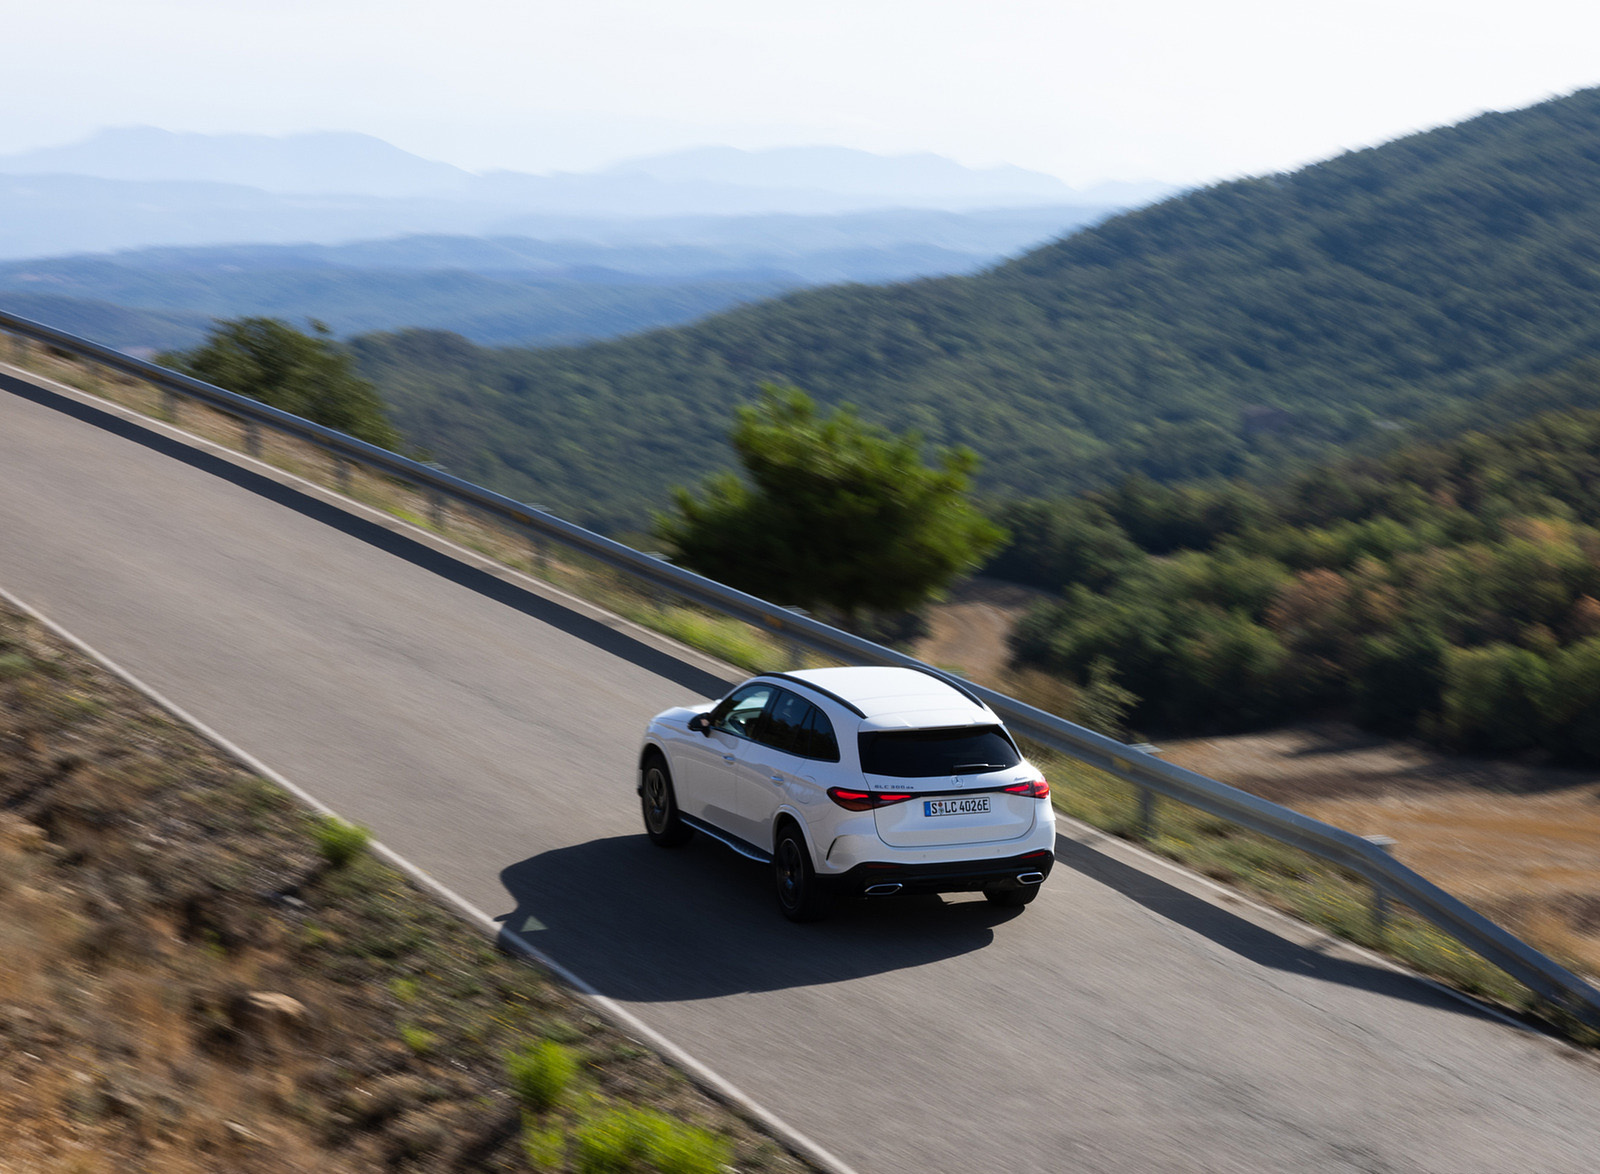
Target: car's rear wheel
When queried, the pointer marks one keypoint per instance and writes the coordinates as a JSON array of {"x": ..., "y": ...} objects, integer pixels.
[
  {"x": 801, "y": 894},
  {"x": 1012, "y": 898},
  {"x": 662, "y": 823}
]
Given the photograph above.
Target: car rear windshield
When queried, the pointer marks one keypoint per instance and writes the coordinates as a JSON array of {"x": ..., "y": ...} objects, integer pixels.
[{"x": 921, "y": 754}]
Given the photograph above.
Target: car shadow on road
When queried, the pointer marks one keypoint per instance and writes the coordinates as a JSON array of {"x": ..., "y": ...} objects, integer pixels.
[
  {"x": 646, "y": 925},
  {"x": 1247, "y": 939},
  {"x": 546, "y": 611}
]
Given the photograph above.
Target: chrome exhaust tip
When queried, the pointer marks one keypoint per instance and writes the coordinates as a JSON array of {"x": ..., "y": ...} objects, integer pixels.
[
  {"x": 887, "y": 890},
  {"x": 1030, "y": 878}
]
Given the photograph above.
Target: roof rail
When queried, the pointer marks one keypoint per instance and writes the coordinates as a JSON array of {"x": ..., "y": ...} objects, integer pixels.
[
  {"x": 828, "y": 693},
  {"x": 954, "y": 682}
]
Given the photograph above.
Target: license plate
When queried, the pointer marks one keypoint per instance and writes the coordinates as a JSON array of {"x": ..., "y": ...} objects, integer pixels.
[{"x": 972, "y": 805}]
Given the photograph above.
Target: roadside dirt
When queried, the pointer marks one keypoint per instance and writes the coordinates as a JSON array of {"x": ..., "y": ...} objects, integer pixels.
[
  {"x": 1520, "y": 842},
  {"x": 968, "y": 631},
  {"x": 191, "y": 980}
]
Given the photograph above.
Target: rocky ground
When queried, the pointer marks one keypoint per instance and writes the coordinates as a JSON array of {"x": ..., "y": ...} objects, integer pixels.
[{"x": 192, "y": 980}]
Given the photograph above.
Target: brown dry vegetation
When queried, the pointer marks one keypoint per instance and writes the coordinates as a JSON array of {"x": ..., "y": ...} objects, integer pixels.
[
  {"x": 1520, "y": 842},
  {"x": 185, "y": 984},
  {"x": 968, "y": 631}
]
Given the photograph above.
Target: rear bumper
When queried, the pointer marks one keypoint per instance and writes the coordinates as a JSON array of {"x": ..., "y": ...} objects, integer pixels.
[{"x": 965, "y": 876}]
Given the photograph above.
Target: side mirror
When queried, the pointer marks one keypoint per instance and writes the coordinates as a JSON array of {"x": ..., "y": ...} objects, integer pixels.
[{"x": 702, "y": 723}]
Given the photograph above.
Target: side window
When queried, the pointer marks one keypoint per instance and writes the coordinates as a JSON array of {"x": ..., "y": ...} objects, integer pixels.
[
  {"x": 737, "y": 713},
  {"x": 816, "y": 738},
  {"x": 784, "y": 728}
]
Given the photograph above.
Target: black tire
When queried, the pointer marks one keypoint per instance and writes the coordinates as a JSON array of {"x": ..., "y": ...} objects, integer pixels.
[
  {"x": 659, "y": 803},
  {"x": 1012, "y": 898},
  {"x": 801, "y": 895}
]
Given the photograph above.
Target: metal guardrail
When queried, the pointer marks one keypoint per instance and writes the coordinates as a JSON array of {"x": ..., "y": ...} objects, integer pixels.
[{"x": 1346, "y": 850}]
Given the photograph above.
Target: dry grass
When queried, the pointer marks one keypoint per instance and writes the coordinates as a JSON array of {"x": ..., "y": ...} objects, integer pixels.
[
  {"x": 967, "y": 632},
  {"x": 1287, "y": 879},
  {"x": 1518, "y": 841}
]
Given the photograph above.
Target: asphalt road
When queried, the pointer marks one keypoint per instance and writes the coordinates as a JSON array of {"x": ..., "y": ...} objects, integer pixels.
[{"x": 1129, "y": 1020}]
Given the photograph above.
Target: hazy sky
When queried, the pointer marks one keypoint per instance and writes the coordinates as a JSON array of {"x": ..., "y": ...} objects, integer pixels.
[{"x": 1165, "y": 89}]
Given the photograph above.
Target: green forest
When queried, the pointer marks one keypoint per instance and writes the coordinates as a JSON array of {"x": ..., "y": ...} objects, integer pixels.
[
  {"x": 1239, "y": 331},
  {"x": 1450, "y": 590}
]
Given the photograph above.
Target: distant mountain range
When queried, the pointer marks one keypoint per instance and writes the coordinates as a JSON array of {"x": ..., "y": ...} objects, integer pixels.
[
  {"x": 327, "y": 163},
  {"x": 137, "y": 186},
  {"x": 188, "y": 227},
  {"x": 513, "y": 290},
  {"x": 344, "y": 163},
  {"x": 897, "y": 180}
]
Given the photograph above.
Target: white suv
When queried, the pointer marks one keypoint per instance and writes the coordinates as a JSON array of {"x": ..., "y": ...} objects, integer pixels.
[{"x": 853, "y": 782}]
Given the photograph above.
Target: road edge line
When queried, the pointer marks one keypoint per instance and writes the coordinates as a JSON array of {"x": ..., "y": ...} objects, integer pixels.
[{"x": 707, "y": 1079}]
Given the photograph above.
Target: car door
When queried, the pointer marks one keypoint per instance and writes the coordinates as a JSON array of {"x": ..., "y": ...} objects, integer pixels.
[
  {"x": 710, "y": 760},
  {"x": 779, "y": 765}
]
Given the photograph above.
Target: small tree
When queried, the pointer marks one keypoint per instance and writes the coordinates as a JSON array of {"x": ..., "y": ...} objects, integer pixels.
[
  {"x": 310, "y": 375},
  {"x": 837, "y": 514}
]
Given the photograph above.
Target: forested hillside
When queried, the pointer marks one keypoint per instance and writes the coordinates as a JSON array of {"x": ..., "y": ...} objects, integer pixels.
[
  {"x": 1229, "y": 332},
  {"x": 1451, "y": 590}
]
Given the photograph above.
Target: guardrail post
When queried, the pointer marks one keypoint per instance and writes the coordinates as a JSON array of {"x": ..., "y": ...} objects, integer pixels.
[
  {"x": 797, "y": 651},
  {"x": 169, "y": 405},
  {"x": 536, "y": 545},
  {"x": 1147, "y": 813},
  {"x": 436, "y": 502},
  {"x": 341, "y": 474},
  {"x": 252, "y": 438},
  {"x": 1147, "y": 797},
  {"x": 19, "y": 349},
  {"x": 1380, "y": 899},
  {"x": 659, "y": 599}
]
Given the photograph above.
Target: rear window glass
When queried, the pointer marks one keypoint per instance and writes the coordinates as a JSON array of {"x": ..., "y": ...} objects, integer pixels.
[{"x": 920, "y": 754}]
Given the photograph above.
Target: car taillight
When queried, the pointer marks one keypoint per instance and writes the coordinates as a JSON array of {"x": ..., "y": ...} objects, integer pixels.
[
  {"x": 1036, "y": 789},
  {"x": 866, "y": 800}
]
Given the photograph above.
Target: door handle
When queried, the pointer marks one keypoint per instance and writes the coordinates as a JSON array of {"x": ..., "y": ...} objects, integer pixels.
[
  {"x": 776, "y": 778},
  {"x": 727, "y": 758}
]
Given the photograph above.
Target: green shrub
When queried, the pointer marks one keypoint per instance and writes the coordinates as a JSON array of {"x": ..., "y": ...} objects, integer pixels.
[
  {"x": 683, "y": 1149},
  {"x": 546, "y": 1149},
  {"x": 419, "y": 1039},
  {"x": 339, "y": 841},
  {"x": 540, "y": 1073},
  {"x": 625, "y": 1140},
  {"x": 1493, "y": 697}
]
